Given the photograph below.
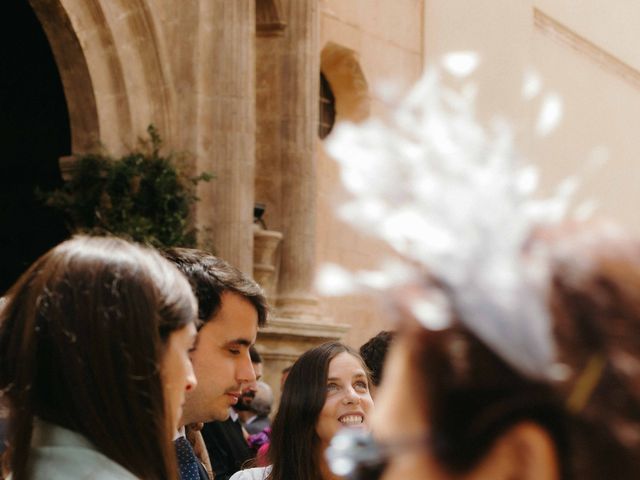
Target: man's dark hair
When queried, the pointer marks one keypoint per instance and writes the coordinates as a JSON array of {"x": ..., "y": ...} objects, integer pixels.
[
  {"x": 210, "y": 277},
  {"x": 255, "y": 355},
  {"x": 374, "y": 352}
]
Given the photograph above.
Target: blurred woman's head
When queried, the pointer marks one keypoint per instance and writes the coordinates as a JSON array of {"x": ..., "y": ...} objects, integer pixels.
[
  {"x": 327, "y": 389},
  {"x": 476, "y": 417},
  {"x": 94, "y": 337}
]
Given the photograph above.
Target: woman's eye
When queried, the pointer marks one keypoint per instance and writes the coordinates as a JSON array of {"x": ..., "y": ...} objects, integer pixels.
[
  {"x": 361, "y": 386},
  {"x": 234, "y": 351},
  {"x": 332, "y": 386}
]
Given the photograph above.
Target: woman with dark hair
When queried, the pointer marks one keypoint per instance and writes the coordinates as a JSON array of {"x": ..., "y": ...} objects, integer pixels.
[
  {"x": 327, "y": 390},
  {"x": 94, "y": 341}
]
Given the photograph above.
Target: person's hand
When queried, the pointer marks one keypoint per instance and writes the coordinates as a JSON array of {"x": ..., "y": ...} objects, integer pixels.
[{"x": 194, "y": 436}]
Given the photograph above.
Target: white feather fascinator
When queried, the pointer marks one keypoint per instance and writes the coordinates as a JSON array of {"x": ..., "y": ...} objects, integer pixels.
[{"x": 455, "y": 200}]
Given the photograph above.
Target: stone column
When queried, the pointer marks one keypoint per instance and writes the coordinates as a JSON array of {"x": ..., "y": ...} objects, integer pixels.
[
  {"x": 225, "y": 145},
  {"x": 288, "y": 71},
  {"x": 299, "y": 108},
  {"x": 270, "y": 30}
]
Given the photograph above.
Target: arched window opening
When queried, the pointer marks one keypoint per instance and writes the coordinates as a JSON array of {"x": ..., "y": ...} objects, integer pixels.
[{"x": 327, "y": 108}]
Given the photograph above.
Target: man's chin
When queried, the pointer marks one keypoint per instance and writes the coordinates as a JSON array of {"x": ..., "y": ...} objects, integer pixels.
[
  {"x": 221, "y": 412},
  {"x": 242, "y": 407},
  {"x": 217, "y": 411},
  {"x": 220, "y": 416}
]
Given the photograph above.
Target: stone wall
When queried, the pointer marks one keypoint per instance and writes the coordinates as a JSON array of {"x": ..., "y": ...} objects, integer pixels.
[
  {"x": 363, "y": 44},
  {"x": 236, "y": 84}
]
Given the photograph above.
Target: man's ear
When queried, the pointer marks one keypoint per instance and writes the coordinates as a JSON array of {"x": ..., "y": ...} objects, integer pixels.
[{"x": 524, "y": 452}]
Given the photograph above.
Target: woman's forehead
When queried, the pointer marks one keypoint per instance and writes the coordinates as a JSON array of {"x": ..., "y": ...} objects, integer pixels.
[{"x": 345, "y": 363}]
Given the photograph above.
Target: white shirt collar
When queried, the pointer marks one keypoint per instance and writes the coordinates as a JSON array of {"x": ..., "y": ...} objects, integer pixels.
[
  {"x": 179, "y": 433},
  {"x": 233, "y": 414},
  {"x": 251, "y": 420}
]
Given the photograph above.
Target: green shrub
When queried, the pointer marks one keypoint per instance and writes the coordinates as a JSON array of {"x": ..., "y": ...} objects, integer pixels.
[{"x": 143, "y": 196}]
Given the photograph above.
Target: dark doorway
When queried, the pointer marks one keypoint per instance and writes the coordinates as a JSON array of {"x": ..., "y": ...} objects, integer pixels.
[{"x": 34, "y": 133}]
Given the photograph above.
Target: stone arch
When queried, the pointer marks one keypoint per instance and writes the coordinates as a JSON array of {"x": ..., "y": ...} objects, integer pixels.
[
  {"x": 74, "y": 74},
  {"x": 342, "y": 70},
  {"x": 144, "y": 56},
  {"x": 110, "y": 62}
]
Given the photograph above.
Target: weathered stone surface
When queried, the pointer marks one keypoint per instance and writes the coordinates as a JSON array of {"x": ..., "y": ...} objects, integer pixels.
[
  {"x": 299, "y": 120},
  {"x": 235, "y": 84}
]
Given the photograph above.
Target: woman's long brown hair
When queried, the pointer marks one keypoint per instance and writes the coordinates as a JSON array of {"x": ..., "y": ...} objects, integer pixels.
[
  {"x": 295, "y": 446},
  {"x": 81, "y": 338}
]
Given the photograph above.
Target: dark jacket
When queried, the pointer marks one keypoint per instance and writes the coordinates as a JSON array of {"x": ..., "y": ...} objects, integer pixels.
[
  {"x": 258, "y": 425},
  {"x": 228, "y": 450}
]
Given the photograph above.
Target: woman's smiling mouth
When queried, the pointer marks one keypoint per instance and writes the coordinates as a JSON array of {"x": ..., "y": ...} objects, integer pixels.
[{"x": 351, "y": 419}]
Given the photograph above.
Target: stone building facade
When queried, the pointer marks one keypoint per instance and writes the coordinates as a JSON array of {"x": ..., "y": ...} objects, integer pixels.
[{"x": 237, "y": 84}]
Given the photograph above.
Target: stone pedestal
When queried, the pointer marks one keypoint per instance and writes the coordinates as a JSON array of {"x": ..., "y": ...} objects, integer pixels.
[{"x": 266, "y": 265}]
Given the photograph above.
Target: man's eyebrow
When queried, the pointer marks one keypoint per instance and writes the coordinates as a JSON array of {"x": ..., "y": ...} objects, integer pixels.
[{"x": 240, "y": 341}]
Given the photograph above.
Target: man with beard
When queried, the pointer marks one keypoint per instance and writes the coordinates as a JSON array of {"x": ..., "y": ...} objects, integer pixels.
[
  {"x": 227, "y": 441},
  {"x": 243, "y": 407},
  {"x": 374, "y": 353},
  {"x": 260, "y": 409}
]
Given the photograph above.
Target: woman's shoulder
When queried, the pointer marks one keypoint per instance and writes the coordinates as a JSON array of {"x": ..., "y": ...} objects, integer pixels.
[
  {"x": 57, "y": 453},
  {"x": 260, "y": 473},
  {"x": 66, "y": 463}
]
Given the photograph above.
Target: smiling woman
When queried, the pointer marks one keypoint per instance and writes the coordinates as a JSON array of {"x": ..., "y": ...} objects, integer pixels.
[
  {"x": 326, "y": 390},
  {"x": 348, "y": 399}
]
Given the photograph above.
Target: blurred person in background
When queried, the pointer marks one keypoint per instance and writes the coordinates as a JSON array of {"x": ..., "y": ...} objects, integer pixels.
[
  {"x": 284, "y": 375},
  {"x": 374, "y": 354},
  {"x": 483, "y": 418},
  {"x": 249, "y": 390},
  {"x": 259, "y": 426},
  {"x": 260, "y": 409}
]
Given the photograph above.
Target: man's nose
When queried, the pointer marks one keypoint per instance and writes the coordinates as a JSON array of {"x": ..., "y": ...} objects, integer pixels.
[
  {"x": 245, "y": 373},
  {"x": 191, "y": 380}
]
